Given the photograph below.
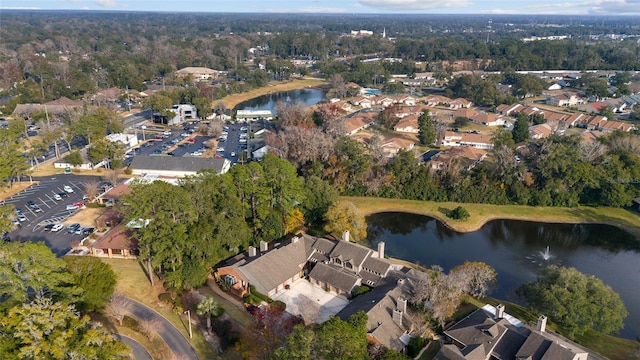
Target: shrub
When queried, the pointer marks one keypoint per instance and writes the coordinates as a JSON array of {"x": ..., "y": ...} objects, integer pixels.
[
  {"x": 415, "y": 345},
  {"x": 459, "y": 213},
  {"x": 167, "y": 299},
  {"x": 128, "y": 171},
  {"x": 362, "y": 289},
  {"x": 131, "y": 323},
  {"x": 279, "y": 305}
]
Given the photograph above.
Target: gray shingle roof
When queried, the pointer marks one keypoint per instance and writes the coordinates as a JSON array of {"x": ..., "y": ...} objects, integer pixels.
[
  {"x": 377, "y": 265},
  {"x": 170, "y": 163},
  {"x": 348, "y": 251},
  {"x": 337, "y": 278},
  {"x": 324, "y": 246},
  {"x": 273, "y": 268}
]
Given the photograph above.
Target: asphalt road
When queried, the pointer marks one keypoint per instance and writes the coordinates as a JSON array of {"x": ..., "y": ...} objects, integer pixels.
[
  {"x": 171, "y": 336},
  {"x": 137, "y": 350},
  {"x": 131, "y": 120},
  {"x": 52, "y": 211}
]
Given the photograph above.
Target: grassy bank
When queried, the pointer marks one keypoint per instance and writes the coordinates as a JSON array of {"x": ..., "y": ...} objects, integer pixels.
[
  {"x": 232, "y": 100},
  {"x": 482, "y": 213},
  {"x": 133, "y": 282}
]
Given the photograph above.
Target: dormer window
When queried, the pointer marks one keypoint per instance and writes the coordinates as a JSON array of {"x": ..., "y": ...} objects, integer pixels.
[
  {"x": 348, "y": 265},
  {"x": 337, "y": 261}
]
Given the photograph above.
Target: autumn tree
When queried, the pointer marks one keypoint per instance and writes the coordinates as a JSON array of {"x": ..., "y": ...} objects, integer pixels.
[
  {"x": 344, "y": 215},
  {"x": 91, "y": 189},
  {"x": 118, "y": 307},
  {"x": 576, "y": 301},
  {"x": 474, "y": 277}
]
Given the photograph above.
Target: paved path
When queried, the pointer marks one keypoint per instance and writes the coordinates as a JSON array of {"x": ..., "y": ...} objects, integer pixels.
[
  {"x": 138, "y": 351},
  {"x": 171, "y": 336}
]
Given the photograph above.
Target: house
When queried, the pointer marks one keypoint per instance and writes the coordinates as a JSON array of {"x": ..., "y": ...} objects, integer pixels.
[
  {"x": 559, "y": 85},
  {"x": 423, "y": 76},
  {"x": 386, "y": 309},
  {"x": 590, "y": 136},
  {"x": 408, "y": 124},
  {"x": 392, "y": 146},
  {"x": 85, "y": 165},
  {"x": 507, "y": 110},
  {"x": 486, "y": 119},
  {"x": 459, "y": 103},
  {"x": 405, "y": 100},
  {"x": 119, "y": 242},
  {"x": 197, "y": 73},
  {"x": 129, "y": 140},
  {"x": 563, "y": 100},
  {"x": 490, "y": 333},
  {"x": 435, "y": 100},
  {"x": 111, "y": 94},
  {"x": 383, "y": 100},
  {"x": 114, "y": 194},
  {"x": 610, "y": 126},
  {"x": 358, "y": 122},
  {"x": 338, "y": 266},
  {"x": 402, "y": 111},
  {"x": 362, "y": 101},
  {"x": 176, "y": 167},
  {"x": 540, "y": 131},
  {"x": 344, "y": 106},
  {"x": 468, "y": 139},
  {"x": 468, "y": 156},
  {"x": 593, "y": 108},
  {"x": 254, "y": 115},
  {"x": 56, "y": 108},
  {"x": 259, "y": 153}
]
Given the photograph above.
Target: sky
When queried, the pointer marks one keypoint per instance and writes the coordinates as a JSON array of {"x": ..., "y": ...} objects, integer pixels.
[{"x": 560, "y": 7}]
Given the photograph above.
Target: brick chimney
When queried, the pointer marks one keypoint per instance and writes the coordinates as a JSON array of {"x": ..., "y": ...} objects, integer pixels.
[
  {"x": 345, "y": 235},
  {"x": 402, "y": 304},
  {"x": 499, "y": 311},
  {"x": 381, "y": 249},
  {"x": 252, "y": 251},
  {"x": 397, "y": 317},
  {"x": 542, "y": 323}
]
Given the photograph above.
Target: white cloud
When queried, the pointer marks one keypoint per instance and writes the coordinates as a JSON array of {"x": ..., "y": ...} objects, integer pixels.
[
  {"x": 107, "y": 3},
  {"x": 586, "y": 7},
  {"x": 308, "y": 9},
  {"x": 402, "y": 5}
]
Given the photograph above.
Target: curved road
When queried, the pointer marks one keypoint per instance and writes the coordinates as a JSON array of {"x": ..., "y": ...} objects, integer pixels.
[
  {"x": 138, "y": 351},
  {"x": 171, "y": 336}
]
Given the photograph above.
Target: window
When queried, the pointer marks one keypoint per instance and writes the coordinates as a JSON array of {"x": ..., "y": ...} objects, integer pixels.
[
  {"x": 337, "y": 261},
  {"x": 230, "y": 279},
  {"x": 348, "y": 265}
]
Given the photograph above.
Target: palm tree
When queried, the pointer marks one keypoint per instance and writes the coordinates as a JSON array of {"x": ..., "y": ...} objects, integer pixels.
[{"x": 209, "y": 308}]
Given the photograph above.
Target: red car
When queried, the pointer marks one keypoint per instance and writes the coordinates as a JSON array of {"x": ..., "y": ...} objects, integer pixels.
[{"x": 78, "y": 204}]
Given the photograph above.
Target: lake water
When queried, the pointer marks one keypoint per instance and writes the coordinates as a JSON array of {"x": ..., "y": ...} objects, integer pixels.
[
  {"x": 516, "y": 250},
  {"x": 307, "y": 97}
]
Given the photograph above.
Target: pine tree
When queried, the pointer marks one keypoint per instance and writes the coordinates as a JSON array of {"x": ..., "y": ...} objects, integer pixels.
[
  {"x": 521, "y": 128},
  {"x": 426, "y": 128}
]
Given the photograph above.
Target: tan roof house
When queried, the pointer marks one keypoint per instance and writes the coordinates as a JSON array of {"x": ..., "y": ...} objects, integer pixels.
[
  {"x": 358, "y": 122},
  {"x": 408, "y": 124},
  {"x": 468, "y": 139},
  {"x": 469, "y": 157},
  {"x": 197, "y": 73},
  {"x": 392, "y": 146},
  {"x": 119, "y": 242}
]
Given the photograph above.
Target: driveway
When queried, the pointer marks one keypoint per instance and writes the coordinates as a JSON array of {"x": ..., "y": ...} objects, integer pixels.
[
  {"x": 171, "y": 336},
  {"x": 138, "y": 351}
]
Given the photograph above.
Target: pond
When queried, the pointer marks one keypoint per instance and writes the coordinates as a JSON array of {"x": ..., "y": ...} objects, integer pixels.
[
  {"x": 307, "y": 97},
  {"x": 518, "y": 250}
]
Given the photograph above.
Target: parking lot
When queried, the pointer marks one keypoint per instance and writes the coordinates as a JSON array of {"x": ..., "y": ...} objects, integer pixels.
[{"x": 47, "y": 210}]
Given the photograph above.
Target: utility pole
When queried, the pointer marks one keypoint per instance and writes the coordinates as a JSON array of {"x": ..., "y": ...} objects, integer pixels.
[{"x": 188, "y": 312}]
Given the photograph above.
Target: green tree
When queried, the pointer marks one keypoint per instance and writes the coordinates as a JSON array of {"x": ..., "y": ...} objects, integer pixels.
[
  {"x": 460, "y": 121},
  {"x": 319, "y": 195},
  {"x": 520, "y": 130},
  {"x": 94, "y": 277},
  {"x": 31, "y": 269},
  {"x": 209, "y": 308},
  {"x": 426, "y": 129},
  {"x": 297, "y": 346},
  {"x": 74, "y": 158},
  {"x": 459, "y": 213},
  {"x": 503, "y": 138},
  {"x": 576, "y": 301},
  {"x": 45, "y": 329},
  {"x": 344, "y": 215},
  {"x": 338, "y": 339}
]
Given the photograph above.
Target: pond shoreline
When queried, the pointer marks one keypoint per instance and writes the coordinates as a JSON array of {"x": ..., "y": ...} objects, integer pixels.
[{"x": 481, "y": 214}]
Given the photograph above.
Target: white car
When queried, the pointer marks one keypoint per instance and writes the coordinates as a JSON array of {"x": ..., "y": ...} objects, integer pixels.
[
  {"x": 220, "y": 149},
  {"x": 57, "y": 227},
  {"x": 57, "y": 197},
  {"x": 72, "y": 207},
  {"x": 68, "y": 189}
]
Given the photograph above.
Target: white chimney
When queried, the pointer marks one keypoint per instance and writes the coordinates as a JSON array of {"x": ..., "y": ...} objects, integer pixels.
[
  {"x": 397, "y": 317},
  {"x": 381, "y": 249},
  {"x": 345, "y": 235},
  {"x": 402, "y": 304},
  {"x": 499, "y": 311},
  {"x": 252, "y": 251},
  {"x": 295, "y": 239},
  {"x": 264, "y": 246},
  {"x": 542, "y": 323}
]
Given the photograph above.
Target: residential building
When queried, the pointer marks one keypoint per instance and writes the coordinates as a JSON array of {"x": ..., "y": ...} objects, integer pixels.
[
  {"x": 392, "y": 146},
  {"x": 469, "y": 157},
  {"x": 129, "y": 140},
  {"x": 338, "y": 266},
  {"x": 362, "y": 101},
  {"x": 435, "y": 100},
  {"x": 359, "y": 122},
  {"x": 118, "y": 242},
  {"x": 176, "y": 167},
  {"x": 460, "y": 103},
  {"x": 564, "y": 100},
  {"x": 468, "y": 139},
  {"x": 508, "y": 110},
  {"x": 402, "y": 111},
  {"x": 408, "y": 124},
  {"x": 540, "y": 131},
  {"x": 197, "y": 73},
  {"x": 491, "y": 333}
]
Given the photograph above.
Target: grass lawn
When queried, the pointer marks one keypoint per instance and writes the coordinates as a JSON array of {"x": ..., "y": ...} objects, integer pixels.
[
  {"x": 240, "y": 316},
  {"x": 133, "y": 282},
  {"x": 7, "y": 192},
  {"x": 234, "y": 99},
  {"x": 612, "y": 347},
  {"x": 482, "y": 213},
  {"x": 432, "y": 349}
]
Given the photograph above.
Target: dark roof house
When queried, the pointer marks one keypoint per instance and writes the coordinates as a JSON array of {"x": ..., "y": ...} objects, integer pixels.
[{"x": 176, "y": 166}]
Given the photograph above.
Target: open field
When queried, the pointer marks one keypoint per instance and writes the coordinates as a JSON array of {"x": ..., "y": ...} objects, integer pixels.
[
  {"x": 232, "y": 100},
  {"x": 482, "y": 213},
  {"x": 133, "y": 282}
]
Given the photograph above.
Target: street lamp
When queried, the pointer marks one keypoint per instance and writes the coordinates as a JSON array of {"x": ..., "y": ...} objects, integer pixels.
[{"x": 189, "y": 318}]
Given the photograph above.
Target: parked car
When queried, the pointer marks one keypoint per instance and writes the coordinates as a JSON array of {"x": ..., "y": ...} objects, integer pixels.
[
  {"x": 57, "y": 197},
  {"x": 166, "y": 133},
  {"x": 73, "y": 227},
  {"x": 87, "y": 230},
  {"x": 57, "y": 227},
  {"x": 68, "y": 189},
  {"x": 78, "y": 204},
  {"x": 63, "y": 194},
  {"x": 22, "y": 218},
  {"x": 47, "y": 227},
  {"x": 19, "y": 212},
  {"x": 5, "y": 236},
  {"x": 72, "y": 207}
]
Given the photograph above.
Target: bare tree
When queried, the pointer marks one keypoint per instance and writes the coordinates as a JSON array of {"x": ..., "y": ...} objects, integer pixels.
[
  {"x": 149, "y": 327},
  {"x": 117, "y": 307},
  {"x": 91, "y": 189},
  {"x": 338, "y": 86},
  {"x": 112, "y": 175}
]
